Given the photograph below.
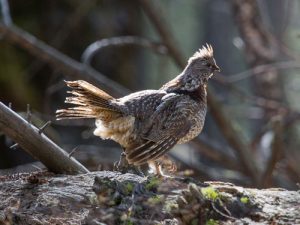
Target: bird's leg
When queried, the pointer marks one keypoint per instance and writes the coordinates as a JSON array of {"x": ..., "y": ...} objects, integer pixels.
[
  {"x": 158, "y": 170},
  {"x": 123, "y": 166},
  {"x": 156, "y": 167},
  {"x": 167, "y": 164}
]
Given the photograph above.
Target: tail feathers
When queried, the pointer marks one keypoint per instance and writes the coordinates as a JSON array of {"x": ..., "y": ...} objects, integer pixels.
[
  {"x": 75, "y": 113},
  {"x": 90, "y": 101}
]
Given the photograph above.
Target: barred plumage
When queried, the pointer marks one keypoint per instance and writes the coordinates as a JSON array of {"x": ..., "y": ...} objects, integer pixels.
[{"x": 148, "y": 123}]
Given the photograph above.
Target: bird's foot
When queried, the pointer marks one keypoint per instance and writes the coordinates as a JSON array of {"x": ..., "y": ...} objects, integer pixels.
[
  {"x": 122, "y": 164},
  {"x": 124, "y": 167},
  {"x": 162, "y": 166}
]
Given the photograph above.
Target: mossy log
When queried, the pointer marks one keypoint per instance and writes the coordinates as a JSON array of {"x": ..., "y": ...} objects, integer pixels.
[{"x": 107, "y": 197}]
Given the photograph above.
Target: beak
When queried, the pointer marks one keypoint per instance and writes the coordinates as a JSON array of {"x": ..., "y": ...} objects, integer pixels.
[{"x": 216, "y": 68}]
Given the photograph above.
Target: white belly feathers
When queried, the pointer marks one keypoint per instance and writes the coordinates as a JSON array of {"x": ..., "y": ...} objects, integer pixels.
[{"x": 118, "y": 130}]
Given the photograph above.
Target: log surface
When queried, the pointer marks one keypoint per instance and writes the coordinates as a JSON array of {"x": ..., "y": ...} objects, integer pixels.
[{"x": 107, "y": 197}]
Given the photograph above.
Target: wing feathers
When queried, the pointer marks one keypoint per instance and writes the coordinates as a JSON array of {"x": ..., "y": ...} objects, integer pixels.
[{"x": 150, "y": 151}]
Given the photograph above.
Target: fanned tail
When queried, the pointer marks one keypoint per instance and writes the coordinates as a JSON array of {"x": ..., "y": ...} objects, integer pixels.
[{"x": 91, "y": 102}]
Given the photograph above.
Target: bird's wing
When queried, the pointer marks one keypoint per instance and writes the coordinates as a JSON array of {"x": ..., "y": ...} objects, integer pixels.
[{"x": 169, "y": 123}]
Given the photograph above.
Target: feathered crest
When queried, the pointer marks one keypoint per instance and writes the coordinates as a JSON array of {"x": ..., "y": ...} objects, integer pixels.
[{"x": 205, "y": 52}]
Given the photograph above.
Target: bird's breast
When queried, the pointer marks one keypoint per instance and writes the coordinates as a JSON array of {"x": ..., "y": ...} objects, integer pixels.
[{"x": 197, "y": 122}]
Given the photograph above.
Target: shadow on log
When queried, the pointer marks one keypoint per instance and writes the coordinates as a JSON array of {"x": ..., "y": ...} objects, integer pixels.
[{"x": 107, "y": 197}]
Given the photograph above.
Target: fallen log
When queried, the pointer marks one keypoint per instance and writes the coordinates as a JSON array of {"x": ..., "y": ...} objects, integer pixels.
[{"x": 107, "y": 197}]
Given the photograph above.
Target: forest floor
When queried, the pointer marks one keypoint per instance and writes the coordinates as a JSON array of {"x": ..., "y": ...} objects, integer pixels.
[{"x": 107, "y": 197}]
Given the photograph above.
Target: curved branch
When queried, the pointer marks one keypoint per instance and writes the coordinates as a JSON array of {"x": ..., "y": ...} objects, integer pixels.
[{"x": 95, "y": 47}]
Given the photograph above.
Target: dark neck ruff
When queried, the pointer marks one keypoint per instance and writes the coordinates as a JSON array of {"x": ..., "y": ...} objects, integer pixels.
[{"x": 199, "y": 94}]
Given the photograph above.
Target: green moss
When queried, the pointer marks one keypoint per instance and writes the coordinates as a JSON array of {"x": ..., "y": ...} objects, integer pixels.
[
  {"x": 212, "y": 222},
  {"x": 210, "y": 193},
  {"x": 157, "y": 199},
  {"x": 129, "y": 188},
  {"x": 244, "y": 200},
  {"x": 152, "y": 183},
  {"x": 128, "y": 222},
  {"x": 170, "y": 206}
]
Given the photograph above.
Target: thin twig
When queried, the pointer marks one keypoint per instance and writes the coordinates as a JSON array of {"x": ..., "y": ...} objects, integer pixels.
[
  {"x": 14, "y": 146},
  {"x": 257, "y": 100},
  {"x": 38, "y": 168},
  {"x": 206, "y": 148},
  {"x": 261, "y": 69},
  {"x": 73, "y": 151},
  {"x": 42, "y": 128},
  {"x": 38, "y": 145},
  {"x": 216, "y": 109},
  {"x": 95, "y": 47},
  {"x": 221, "y": 213},
  {"x": 28, "y": 114}
]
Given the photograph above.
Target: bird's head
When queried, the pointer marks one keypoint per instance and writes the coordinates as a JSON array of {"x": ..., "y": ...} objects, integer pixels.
[{"x": 202, "y": 65}]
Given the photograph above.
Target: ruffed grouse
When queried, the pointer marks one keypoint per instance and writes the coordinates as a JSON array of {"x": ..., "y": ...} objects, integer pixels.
[{"x": 148, "y": 123}]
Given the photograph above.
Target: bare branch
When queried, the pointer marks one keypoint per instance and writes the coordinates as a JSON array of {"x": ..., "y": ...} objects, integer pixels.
[
  {"x": 276, "y": 153},
  {"x": 261, "y": 69},
  {"x": 28, "y": 114},
  {"x": 206, "y": 148},
  {"x": 73, "y": 151},
  {"x": 242, "y": 151},
  {"x": 42, "y": 128},
  {"x": 95, "y": 47},
  {"x": 259, "y": 101},
  {"x": 38, "y": 145},
  {"x": 59, "y": 61},
  {"x": 162, "y": 29},
  {"x": 261, "y": 48}
]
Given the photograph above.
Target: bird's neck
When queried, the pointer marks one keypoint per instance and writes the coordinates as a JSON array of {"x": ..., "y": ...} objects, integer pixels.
[
  {"x": 199, "y": 94},
  {"x": 187, "y": 85}
]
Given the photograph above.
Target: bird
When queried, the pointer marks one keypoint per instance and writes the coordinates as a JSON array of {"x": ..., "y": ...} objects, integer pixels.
[{"x": 148, "y": 123}]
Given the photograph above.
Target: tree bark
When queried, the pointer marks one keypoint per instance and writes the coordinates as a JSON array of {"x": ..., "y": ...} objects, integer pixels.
[
  {"x": 38, "y": 145},
  {"x": 106, "y": 197}
]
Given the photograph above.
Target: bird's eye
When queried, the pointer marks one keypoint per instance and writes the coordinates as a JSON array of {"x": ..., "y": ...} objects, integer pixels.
[{"x": 204, "y": 63}]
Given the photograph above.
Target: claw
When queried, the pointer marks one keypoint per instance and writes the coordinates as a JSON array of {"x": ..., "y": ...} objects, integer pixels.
[{"x": 124, "y": 167}]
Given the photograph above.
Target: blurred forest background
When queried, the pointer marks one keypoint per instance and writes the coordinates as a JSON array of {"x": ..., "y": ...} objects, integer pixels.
[{"x": 251, "y": 136}]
